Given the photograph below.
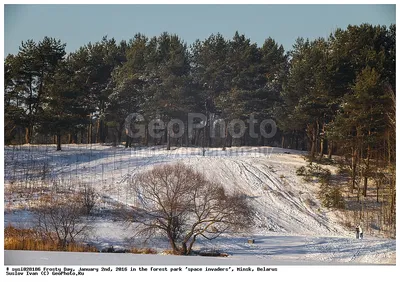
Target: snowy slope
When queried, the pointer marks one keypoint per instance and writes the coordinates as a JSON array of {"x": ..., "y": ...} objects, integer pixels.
[{"x": 290, "y": 223}]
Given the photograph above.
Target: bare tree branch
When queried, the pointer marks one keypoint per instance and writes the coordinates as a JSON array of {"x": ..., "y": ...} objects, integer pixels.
[{"x": 181, "y": 204}]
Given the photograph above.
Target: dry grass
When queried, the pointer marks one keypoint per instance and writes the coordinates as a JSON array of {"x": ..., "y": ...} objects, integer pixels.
[
  {"x": 142, "y": 251},
  {"x": 171, "y": 252},
  {"x": 30, "y": 240}
]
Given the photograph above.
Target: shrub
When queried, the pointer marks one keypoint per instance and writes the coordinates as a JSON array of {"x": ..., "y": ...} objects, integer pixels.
[
  {"x": 59, "y": 218},
  {"x": 88, "y": 198},
  {"x": 323, "y": 161},
  {"x": 314, "y": 171},
  {"x": 331, "y": 197}
]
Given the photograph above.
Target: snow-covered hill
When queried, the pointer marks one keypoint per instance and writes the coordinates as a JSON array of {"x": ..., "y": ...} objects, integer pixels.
[{"x": 291, "y": 223}]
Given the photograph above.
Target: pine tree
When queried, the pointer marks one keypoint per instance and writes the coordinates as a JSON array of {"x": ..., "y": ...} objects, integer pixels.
[
  {"x": 35, "y": 65},
  {"x": 62, "y": 109}
]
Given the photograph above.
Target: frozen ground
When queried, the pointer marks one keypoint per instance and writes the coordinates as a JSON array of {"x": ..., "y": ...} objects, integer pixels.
[{"x": 291, "y": 224}]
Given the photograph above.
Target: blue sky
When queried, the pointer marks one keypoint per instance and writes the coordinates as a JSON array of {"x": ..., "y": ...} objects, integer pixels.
[{"x": 77, "y": 25}]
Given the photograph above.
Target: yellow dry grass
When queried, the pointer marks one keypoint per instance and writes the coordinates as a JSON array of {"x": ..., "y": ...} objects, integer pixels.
[{"x": 30, "y": 240}]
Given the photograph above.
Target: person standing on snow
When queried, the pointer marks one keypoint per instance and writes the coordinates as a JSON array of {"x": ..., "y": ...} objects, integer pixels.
[{"x": 357, "y": 232}]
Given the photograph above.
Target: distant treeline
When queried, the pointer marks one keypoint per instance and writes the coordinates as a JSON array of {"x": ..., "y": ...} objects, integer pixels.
[{"x": 328, "y": 95}]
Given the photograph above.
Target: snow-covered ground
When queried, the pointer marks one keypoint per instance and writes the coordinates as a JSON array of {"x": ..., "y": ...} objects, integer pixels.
[
  {"x": 267, "y": 250},
  {"x": 290, "y": 225}
]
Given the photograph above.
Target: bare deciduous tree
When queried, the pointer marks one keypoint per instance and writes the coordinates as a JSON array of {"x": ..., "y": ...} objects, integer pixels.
[
  {"x": 59, "y": 218},
  {"x": 180, "y": 203}
]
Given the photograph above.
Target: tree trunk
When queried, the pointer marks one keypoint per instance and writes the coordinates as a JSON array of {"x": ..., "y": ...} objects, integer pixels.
[
  {"x": 312, "y": 150},
  {"x": 195, "y": 137},
  {"x": 168, "y": 139},
  {"x": 98, "y": 130},
  {"x": 389, "y": 148},
  {"x": 119, "y": 134},
  {"x": 89, "y": 133},
  {"x": 311, "y": 134},
  {"x": 315, "y": 140},
  {"x": 184, "y": 249},
  {"x": 229, "y": 137},
  {"x": 191, "y": 244},
  {"x": 28, "y": 134},
  {"x": 377, "y": 192},
  {"x": 353, "y": 169},
  {"x": 74, "y": 138},
  {"x": 147, "y": 136},
  {"x": 322, "y": 137},
  {"x": 58, "y": 142},
  {"x": 393, "y": 201},
  {"x": 225, "y": 140},
  {"x": 260, "y": 140},
  {"x": 330, "y": 149},
  {"x": 243, "y": 139},
  {"x": 361, "y": 172},
  {"x": 292, "y": 140},
  {"x": 172, "y": 244},
  {"x": 104, "y": 131},
  {"x": 365, "y": 186},
  {"x": 114, "y": 137},
  {"x": 366, "y": 171},
  {"x": 185, "y": 136},
  {"x": 208, "y": 131},
  {"x": 82, "y": 134},
  {"x": 203, "y": 139}
]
